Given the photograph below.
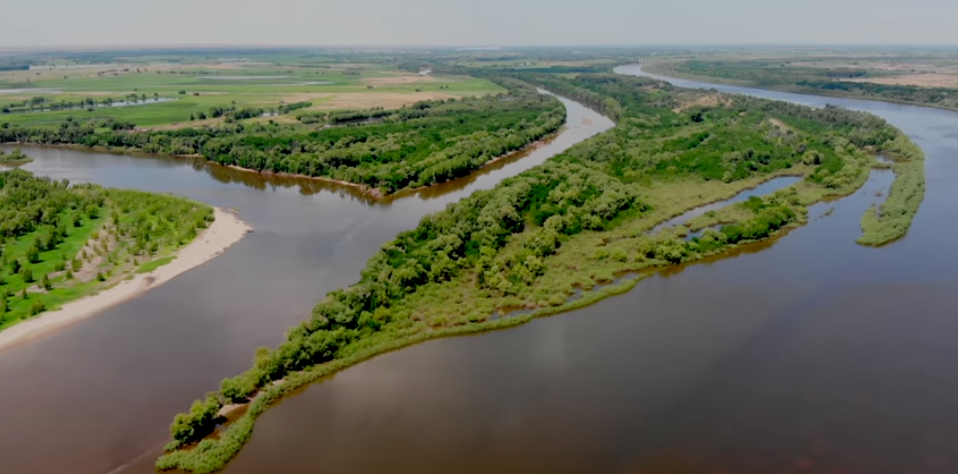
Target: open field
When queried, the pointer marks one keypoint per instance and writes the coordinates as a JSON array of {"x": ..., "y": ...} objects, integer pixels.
[{"x": 195, "y": 88}]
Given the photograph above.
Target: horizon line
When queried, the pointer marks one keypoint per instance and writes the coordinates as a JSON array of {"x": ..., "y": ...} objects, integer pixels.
[{"x": 474, "y": 47}]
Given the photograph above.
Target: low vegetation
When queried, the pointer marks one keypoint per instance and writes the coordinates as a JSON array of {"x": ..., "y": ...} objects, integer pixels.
[
  {"x": 63, "y": 242},
  {"x": 891, "y": 220},
  {"x": 559, "y": 235},
  {"x": 14, "y": 158}
]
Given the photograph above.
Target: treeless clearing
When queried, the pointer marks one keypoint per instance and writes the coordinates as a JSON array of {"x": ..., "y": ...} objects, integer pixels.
[
  {"x": 712, "y": 100},
  {"x": 189, "y": 124},
  {"x": 363, "y": 100},
  {"x": 921, "y": 80},
  {"x": 393, "y": 80},
  {"x": 290, "y": 118}
]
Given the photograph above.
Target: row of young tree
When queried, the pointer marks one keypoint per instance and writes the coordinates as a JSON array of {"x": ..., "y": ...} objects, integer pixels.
[
  {"x": 50, "y": 231},
  {"x": 42, "y": 103},
  {"x": 28, "y": 202}
]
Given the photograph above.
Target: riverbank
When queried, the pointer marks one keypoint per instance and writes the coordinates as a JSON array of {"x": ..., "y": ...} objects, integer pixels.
[
  {"x": 225, "y": 230},
  {"x": 664, "y": 69}
]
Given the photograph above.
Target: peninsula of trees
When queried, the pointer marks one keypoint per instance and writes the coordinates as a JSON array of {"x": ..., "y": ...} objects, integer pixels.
[
  {"x": 573, "y": 223},
  {"x": 383, "y": 151},
  {"x": 59, "y": 243}
]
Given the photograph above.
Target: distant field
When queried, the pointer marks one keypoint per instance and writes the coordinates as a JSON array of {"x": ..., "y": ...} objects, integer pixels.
[{"x": 197, "y": 88}]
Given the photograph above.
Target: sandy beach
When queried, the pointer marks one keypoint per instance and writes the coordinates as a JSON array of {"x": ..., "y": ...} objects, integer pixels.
[{"x": 226, "y": 230}]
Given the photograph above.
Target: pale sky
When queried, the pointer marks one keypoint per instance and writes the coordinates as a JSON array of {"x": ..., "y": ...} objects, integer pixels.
[{"x": 25, "y": 23}]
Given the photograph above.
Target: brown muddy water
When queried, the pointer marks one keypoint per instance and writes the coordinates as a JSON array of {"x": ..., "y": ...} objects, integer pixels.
[
  {"x": 810, "y": 355},
  {"x": 100, "y": 394}
]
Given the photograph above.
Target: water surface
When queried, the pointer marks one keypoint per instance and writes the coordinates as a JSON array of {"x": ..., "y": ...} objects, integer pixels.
[
  {"x": 101, "y": 394},
  {"x": 807, "y": 354}
]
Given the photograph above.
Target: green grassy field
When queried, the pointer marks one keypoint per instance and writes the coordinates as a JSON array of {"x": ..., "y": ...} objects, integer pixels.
[{"x": 196, "y": 89}]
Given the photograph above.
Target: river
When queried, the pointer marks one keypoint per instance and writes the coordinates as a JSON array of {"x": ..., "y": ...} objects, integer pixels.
[
  {"x": 100, "y": 394},
  {"x": 807, "y": 354}
]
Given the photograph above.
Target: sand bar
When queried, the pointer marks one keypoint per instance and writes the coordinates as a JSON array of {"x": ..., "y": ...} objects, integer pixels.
[{"x": 226, "y": 230}]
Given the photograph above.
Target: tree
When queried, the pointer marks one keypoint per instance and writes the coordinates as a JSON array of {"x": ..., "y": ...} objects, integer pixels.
[
  {"x": 15, "y": 267},
  {"x": 27, "y": 275},
  {"x": 33, "y": 254},
  {"x": 45, "y": 283},
  {"x": 37, "y": 307}
]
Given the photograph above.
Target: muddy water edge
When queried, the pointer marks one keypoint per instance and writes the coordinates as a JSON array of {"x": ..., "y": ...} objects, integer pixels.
[
  {"x": 99, "y": 396},
  {"x": 808, "y": 354}
]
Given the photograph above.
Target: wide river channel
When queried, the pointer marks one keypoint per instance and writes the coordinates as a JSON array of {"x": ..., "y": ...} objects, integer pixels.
[{"x": 807, "y": 354}]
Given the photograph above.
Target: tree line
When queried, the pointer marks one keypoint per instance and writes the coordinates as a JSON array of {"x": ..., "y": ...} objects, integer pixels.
[{"x": 419, "y": 145}]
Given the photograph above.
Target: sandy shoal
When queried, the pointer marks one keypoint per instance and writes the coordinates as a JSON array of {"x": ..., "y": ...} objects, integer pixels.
[{"x": 225, "y": 230}]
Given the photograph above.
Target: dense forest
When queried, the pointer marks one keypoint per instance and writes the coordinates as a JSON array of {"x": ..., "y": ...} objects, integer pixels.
[
  {"x": 570, "y": 224},
  {"x": 426, "y": 143},
  {"x": 60, "y": 242},
  {"x": 776, "y": 74}
]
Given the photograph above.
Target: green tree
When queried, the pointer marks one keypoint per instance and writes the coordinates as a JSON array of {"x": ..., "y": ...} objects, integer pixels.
[
  {"x": 33, "y": 254},
  {"x": 37, "y": 307},
  {"x": 27, "y": 275}
]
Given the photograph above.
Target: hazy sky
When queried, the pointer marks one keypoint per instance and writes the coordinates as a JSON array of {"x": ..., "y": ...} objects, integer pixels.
[{"x": 474, "y": 22}]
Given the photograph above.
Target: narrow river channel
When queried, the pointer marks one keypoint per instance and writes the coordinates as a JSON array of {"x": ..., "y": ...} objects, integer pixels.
[{"x": 808, "y": 354}]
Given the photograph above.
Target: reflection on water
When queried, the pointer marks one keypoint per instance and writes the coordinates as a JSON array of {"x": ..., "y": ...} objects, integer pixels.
[
  {"x": 808, "y": 353},
  {"x": 804, "y": 354},
  {"x": 127, "y": 371}
]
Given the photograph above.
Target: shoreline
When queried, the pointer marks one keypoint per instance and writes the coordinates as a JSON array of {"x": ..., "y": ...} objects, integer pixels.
[
  {"x": 226, "y": 230},
  {"x": 666, "y": 72},
  {"x": 375, "y": 193}
]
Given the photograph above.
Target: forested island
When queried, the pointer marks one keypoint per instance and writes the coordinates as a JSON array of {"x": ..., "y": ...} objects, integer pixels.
[
  {"x": 845, "y": 81},
  {"x": 62, "y": 242},
  {"x": 382, "y": 151},
  {"x": 575, "y": 224}
]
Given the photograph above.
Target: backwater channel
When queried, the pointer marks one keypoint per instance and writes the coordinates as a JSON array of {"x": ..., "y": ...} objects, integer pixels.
[{"x": 806, "y": 354}]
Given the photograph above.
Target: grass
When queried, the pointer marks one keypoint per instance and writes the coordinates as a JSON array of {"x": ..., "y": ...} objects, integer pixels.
[
  {"x": 891, "y": 221},
  {"x": 154, "y": 264},
  {"x": 98, "y": 253},
  {"x": 267, "y": 92}
]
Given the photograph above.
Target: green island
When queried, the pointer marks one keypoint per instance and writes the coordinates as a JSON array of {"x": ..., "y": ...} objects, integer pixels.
[
  {"x": 14, "y": 158},
  {"x": 574, "y": 230},
  {"x": 62, "y": 242}
]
